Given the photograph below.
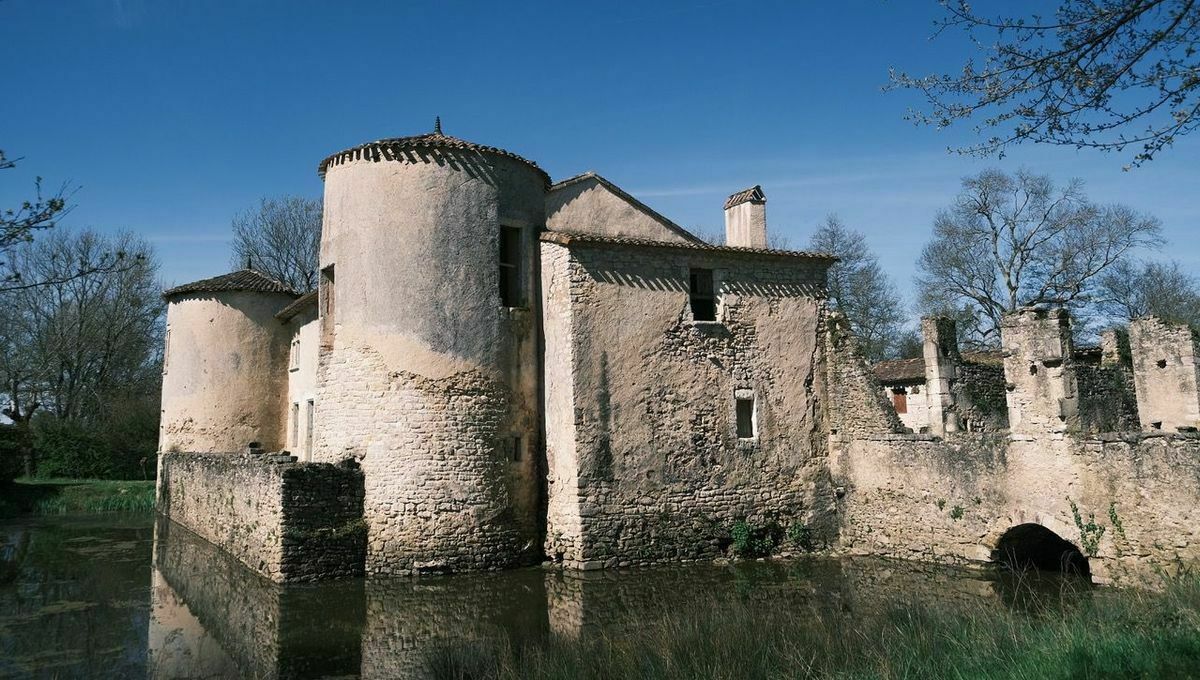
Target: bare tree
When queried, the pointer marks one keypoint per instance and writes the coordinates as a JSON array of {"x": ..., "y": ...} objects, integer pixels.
[
  {"x": 280, "y": 238},
  {"x": 1132, "y": 289},
  {"x": 77, "y": 343},
  {"x": 1102, "y": 74},
  {"x": 860, "y": 289},
  {"x": 1014, "y": 240}
]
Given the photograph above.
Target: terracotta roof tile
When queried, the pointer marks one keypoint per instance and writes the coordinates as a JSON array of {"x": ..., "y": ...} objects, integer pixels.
[
  {"x": 385, "y": 149},
  {"x": 302, "y": 303},
  {"x": 754, "y": 193},
  {"x": 568, "y": 238},
  {"x": 243, "y": 280},
  {"x": 900, "y": 371}
]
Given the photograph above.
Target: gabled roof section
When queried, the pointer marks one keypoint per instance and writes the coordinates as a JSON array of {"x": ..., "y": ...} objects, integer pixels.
[
  {"x": 302, "y": 303},
  {"x": 900, "y": 371},
  {"x": 754, "y": 193},
  {"x": 628, "y": 198},
  {"x": 244, "y": 280},
  {"x": 569, "y": 238},
  {"x": 388, "y": 149}
]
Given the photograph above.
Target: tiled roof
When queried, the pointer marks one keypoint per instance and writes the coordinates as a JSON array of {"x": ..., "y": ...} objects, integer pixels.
[
  {"x": 302, "y": 303},
  {"x": 388, "y": 149},
  {"x": 754, "y": 193},
  {"x": 243, "y": 280},
  {"x": 568, "y": 238},
  {"x": 650, "y": 212},
  {"x": 900, "y": 371}
]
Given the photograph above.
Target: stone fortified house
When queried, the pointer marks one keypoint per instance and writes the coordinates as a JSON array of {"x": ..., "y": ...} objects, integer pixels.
[{"x": 496, "y": 370}]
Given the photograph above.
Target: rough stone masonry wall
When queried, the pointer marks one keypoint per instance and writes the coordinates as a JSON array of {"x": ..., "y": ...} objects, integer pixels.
[
  {"x": 922, "y": 498},
  {"x": 1166, "y": 373},
  {"x": 1107, "y": 402},
  {"x": 203, "y": 596},
  {"x": 286, "y": 521},
  {"x": 857, "y": 405},
  {"x": 655, "y": 471},
  {"x": 979, "y": 392}
]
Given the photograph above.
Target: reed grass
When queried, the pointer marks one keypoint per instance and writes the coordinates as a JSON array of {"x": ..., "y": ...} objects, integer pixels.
[
  {"x": 77, "y": 496},
  {"x": 1102, "y": 633}
]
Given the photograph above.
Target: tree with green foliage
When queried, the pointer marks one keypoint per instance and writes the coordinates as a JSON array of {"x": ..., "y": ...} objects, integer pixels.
[{"x": 1099, "y": 74}]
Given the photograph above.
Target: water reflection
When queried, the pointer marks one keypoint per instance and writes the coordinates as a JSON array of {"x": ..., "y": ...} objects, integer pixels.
[{"x": 100, "y": 599}]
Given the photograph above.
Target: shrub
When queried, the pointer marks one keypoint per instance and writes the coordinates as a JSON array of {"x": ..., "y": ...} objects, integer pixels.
[
  {"x": 755, "y": 541},
  {"x": 10, "y": 454}
]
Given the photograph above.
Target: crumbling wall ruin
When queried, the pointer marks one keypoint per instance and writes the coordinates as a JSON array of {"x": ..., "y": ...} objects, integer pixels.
[
  {"x": 1166, "y": 374},
  {"x": 285, "y": 520}
]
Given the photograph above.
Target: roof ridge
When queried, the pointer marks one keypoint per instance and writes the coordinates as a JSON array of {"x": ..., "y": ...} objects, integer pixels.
[
  {"x": 633, "y": 200},
  {"x": 568, "y": 237},
  {"x": 250, "y": 280},
  {"x": 431, "y": 140}
]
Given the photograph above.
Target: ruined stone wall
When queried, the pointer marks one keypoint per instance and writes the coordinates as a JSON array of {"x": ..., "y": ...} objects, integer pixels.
[
  {"x": 224, "y": 372},
  {"x": 979, "y": 396},
  {"x": 1043, "y": 394},
  {"x": 1107, "y": 402},
  {"x": 425, "y": 376},
  {"x": 923, "y": 498},
  {"x": 286, "y": 521},
  {"x": 857, "y": 406},
  {"x": 656, "y": 470},
  {"x": 1166, "y": 374}
]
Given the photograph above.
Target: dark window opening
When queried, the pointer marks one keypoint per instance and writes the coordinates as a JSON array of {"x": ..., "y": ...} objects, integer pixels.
[
  {"x": 326, "y": 297},
  {"x": 703, "y": 295},
  {"x": 1033, "y": 546},
  {"x": 1162, "y": 363},
  {"x": 900, "y": 400},
  {"x": 515, "y": 452},
  {"x": 510, "y": 267},
  {"x": 745, "y": 417}
]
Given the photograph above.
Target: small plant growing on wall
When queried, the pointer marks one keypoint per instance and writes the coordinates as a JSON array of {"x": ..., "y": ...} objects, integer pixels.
[
  {"x": 956, "y": 513},
  {"x": 801, "y": 536},
  {"x": 754, "y": 541},
  {"x": 941, "y": 504},
  {"x": 1090, "y": 532}
]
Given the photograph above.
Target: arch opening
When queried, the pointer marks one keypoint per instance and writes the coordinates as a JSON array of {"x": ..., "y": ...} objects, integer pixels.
[{"x": 1033, "y": 546}]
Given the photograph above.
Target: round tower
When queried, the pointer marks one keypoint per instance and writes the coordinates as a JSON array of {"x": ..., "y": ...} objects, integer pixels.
[
  {"x": 225, "y": 364},
  {"x": 428, "y": 370}
]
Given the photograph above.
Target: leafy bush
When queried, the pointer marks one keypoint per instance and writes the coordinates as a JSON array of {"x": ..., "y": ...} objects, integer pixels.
[
  {"x": 11, "y": 464},
  {"x": 801, "y": 536},
  {"x": 755, "y": 541},
  {"x": 122, "y": 448}
]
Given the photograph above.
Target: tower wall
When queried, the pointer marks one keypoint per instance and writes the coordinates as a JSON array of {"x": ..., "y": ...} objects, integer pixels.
[
  {"x": 224, "y": 372},
  {"x": 424, "y": 375}
]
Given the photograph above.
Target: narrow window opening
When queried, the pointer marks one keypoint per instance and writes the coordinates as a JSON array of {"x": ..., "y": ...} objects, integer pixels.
[
  {"x": 327, "y": 297},
  {"x": 293, "y": 355},
  {"x": 295, "y": 438},
  {"x": 703, "y": 295},
  {"x": 746, "y": 421},
  {"x": 166, "y": 350},
  {"x": 510, "y": 267},
  {"x": 900, "y": 400},
  {"x": 517, "y": 453},
  {"x": 308, "y": 429}
]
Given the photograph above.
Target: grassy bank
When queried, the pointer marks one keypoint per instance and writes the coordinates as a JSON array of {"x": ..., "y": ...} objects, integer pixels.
[
  {"x": 75, "y": 496},
  {"x": 1097, "y": 634}
]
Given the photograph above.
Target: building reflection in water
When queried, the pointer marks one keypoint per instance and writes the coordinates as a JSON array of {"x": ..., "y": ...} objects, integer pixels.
[{"x": 213, "y": 617}]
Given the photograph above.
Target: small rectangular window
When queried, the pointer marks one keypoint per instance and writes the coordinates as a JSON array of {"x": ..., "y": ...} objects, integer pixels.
[
  {"x": 746, "y": 422},
  {"x": 166, "y": 350},
  {"x": 515, "y": 449},
  {"x": 510, "y": 267},
  {"x": 703, "y": 295},
  {"x": 327, "y": 296},
  {"x": 900, "y": 400},
  {"x": 295, "y": 424},
  {"x": 293, "y": 354}
]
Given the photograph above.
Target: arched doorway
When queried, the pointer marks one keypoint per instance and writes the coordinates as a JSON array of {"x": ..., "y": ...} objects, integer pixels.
[{"x": 1033, "y": 546}]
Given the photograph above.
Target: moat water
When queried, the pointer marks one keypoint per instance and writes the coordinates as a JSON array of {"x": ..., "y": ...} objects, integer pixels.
[{"x": 105, "y": 596}]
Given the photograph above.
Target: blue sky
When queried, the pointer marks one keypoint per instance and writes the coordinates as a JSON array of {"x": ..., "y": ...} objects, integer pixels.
[{"x": 171, "y": 116}]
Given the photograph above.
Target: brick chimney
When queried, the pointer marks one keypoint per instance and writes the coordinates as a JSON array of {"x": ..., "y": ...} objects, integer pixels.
[{"x": 746, "y": 219}]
